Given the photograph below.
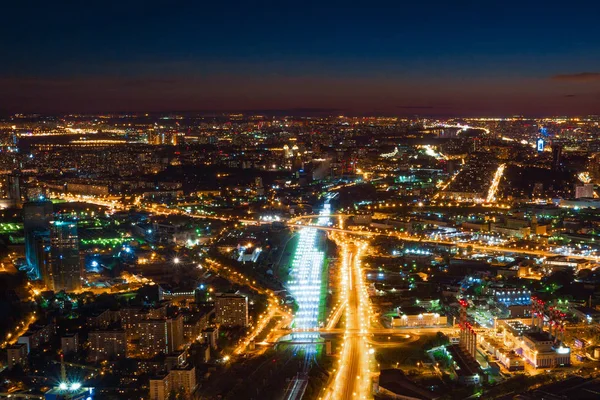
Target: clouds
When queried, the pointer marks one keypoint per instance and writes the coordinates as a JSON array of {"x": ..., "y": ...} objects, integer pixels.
[{"x": 578, "y": 77}]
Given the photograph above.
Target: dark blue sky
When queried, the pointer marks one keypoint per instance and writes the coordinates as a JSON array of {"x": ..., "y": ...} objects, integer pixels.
[{"x": 438, "y": 58}]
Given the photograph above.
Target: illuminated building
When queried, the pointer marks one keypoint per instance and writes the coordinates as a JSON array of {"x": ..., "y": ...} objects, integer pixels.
[
  {"x": 540, "y": 350},
  {"x": 231, "y": 309},
  {"x": 64, "y": 267},
  {"x": 107, "y": 345},
  {"x": 159, "y": 388},
  {"x": 160, "y": 335},
  {"x": 36, "y": 225},
  {"x": 584, "y": 191},
  {"x": 129, "y": 319},
  {"x": 416, "y": 316},
  {"x": 88, "y": 189},
  {"x": 181, "y": 380},
  {"x": 512, "y": 296}
]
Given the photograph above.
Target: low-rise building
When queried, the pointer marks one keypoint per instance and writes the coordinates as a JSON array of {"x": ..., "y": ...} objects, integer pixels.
[
  {"x": 587, "y": 314},
  {"x": 416, "y": 316}
]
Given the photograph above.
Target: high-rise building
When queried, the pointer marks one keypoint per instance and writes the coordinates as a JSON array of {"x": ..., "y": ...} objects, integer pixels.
[
  {"x": 231, "y": 309},
  {"x": 160, "y": 335},
  {"x": 159, "y": 388},
  {"x": 175, "y": 334},
  {"x": 107, "y": 345},
  {"x": 36, "y": 225},
  {"x": 64, "y": 271},
  {"x": 14, "y": 188},
  {"x": 183, "y": 379},
  {"x": 594, "y": 168},
  {"x": 586, "y": 191}
]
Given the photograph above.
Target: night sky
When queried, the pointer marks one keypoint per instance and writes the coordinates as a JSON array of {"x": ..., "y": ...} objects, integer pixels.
[{"x": 427, "y": 58}]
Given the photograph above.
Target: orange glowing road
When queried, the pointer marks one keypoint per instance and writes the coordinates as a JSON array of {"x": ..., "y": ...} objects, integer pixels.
[
  {"x": 273, "y": 307},
  {"x": 352, "y": 377}
]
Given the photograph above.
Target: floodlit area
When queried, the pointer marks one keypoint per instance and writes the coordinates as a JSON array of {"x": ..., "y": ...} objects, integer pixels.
[
  {"x": 307, "y": 269},
  {"x": 491, "y": 196}
]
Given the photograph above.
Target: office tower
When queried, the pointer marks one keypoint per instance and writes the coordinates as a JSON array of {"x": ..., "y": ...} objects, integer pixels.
[
  {"x": 231, "y": 309},
  {"x": 36, "y": 225},
  {"x": 64, "y": 267}
]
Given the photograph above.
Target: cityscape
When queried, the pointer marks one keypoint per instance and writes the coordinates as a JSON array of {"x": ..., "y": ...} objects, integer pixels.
[
  {"x": 246, "y": 256},
  {"x": 248, "y": 201}
]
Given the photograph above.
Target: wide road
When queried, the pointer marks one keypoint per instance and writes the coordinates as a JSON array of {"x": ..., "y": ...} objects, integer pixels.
[
  {"x": 292, "y": 224},
  {"x": 352, "y": 342},
  {"x": 463, "y": 245},
  {"x": 352, "y": 377}
]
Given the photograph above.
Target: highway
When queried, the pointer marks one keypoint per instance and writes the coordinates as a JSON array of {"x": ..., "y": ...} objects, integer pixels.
[
  {"x": 462, "y": 245},
  {"x": 352, "y": 378},
  {"x": 293, "y": 224}
]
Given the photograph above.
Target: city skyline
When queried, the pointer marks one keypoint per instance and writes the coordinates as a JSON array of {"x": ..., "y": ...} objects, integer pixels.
[{"x": 300, "y": 201}]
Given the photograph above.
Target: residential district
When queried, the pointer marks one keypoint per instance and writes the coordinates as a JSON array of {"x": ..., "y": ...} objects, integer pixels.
[{"x": 236, "y": 256}]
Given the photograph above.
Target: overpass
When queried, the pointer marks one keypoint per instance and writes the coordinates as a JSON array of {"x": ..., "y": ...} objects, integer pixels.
[{"x": 293, "y": 224}]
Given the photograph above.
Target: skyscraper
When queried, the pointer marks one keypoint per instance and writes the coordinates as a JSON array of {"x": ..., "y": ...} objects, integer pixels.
[
  {"x": 64, "y": 271},
  {"x": 36, "y": 224}
]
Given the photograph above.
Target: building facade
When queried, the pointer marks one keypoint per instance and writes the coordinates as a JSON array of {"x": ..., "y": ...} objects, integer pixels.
[
  {"x": 231, "y": 309},
  {"x": 65, "y": 265}
]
